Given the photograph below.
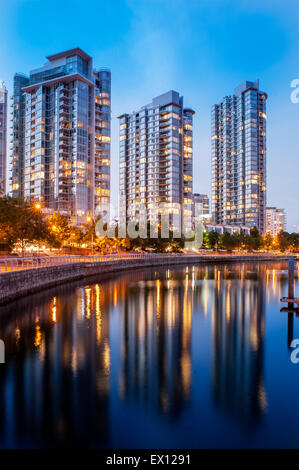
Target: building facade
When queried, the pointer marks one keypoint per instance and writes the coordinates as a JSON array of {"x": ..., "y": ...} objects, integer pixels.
[
  {"x": 226, "y": 228},
  {"x": 17, "y": 143},
  {"x": 275, "y": 220},
  {"x": 3, "y": 138},
  {"x": 201, "y": 206},
  {"x": 60, "y": 153},
  {"x": 156, "y": 149},
  {"x": 239, "y": 158}
]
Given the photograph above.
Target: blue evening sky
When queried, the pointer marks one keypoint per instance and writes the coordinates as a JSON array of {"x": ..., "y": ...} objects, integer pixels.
[{"x": 201, "y": 48}]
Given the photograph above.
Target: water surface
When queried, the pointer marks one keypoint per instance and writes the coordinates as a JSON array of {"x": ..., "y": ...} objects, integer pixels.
[{"x": 197, "y": 357}]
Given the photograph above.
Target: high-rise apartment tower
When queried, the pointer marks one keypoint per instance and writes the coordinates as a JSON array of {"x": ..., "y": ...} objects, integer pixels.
[
  {"x": 156, "y": 161},
  {"x": 3, "y": 137},
  {"x": 239, "y": 158},
  {"x": 60, "y": 154}
]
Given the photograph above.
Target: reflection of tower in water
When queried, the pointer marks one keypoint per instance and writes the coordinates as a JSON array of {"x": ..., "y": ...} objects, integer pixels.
[
  {"x": 62, "y": 376},
  {"x": 156, "y": 337},
  {"x": 238, "y": 343}
]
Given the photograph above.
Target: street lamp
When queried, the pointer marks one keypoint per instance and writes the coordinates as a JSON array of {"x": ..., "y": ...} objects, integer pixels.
[
  {"x": 38, "y": 207},
  {"x": 89, "y": 220}
]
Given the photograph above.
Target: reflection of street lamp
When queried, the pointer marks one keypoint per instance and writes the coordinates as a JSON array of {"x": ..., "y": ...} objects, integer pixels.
[{"x": 89, "y": 220}]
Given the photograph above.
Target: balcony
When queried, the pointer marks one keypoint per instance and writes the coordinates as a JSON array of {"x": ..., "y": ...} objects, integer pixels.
[
  {"x": 64, "y": 132},
  {"x": 64, "y": 107},
  {"x": 64, "y": 97},
  {"x": 63, "y": 115},
  {"x": 63, "y": 155},
  {"x": 64, "y": 90},
  {"x": 64, "y": 146}
]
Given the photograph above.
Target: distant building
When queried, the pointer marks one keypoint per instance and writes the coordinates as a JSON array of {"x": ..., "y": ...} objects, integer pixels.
[
  {"x": 60, "y": 153},
  {"x": 201, "y": 209},
  {"x": 156, "y": 161},
  {"x": 3, "y": 138},
  {"x": 275, "y": 220},
  {"x": 201, "y": 204},
  {"x": 221, "y": 228},
  {"x": 239, "y": 158}
]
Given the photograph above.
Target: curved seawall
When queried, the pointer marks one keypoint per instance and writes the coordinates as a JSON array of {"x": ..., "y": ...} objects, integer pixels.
[{"x": 19, "y": 283}]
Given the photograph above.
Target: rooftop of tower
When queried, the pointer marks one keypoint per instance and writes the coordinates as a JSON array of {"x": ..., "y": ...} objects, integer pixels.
[
  {"x": 247, "y": 85},
  {"x": 75, "y": 51},
  {"x": 168, "y": 98}
]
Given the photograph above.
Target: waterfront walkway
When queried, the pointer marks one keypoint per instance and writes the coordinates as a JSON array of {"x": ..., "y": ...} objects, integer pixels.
[
  {"x": 19, "y": 264},
  {"x": 23, "y": 276},
  {"x": 12, "y": 264}
]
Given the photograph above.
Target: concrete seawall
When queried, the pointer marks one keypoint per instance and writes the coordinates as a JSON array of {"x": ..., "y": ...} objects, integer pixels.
[{"x": 20, "y": 283}]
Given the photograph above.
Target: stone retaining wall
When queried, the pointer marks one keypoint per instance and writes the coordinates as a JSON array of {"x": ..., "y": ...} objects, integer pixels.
[{"x": 20, "y": 283}]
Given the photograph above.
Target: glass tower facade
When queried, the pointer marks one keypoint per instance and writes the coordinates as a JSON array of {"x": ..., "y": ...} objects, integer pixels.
[
  {"x": 17, "y": 144},
  {"x": 239, "y": 158},
  {"x": 202, "y": 202},
  {"x": 3, "y": 137},
  {"x": 61, "y": 136},
  {"x": 201, "y": 208},
  {"x": 156, "y": 161}
]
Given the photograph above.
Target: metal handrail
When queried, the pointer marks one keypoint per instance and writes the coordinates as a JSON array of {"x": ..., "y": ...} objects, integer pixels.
[{"x": 18, "y": 264}]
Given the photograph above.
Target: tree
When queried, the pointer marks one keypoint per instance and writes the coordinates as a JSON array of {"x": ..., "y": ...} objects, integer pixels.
[
  {"x": 227, "y": 241},
  {"x": 293, "y": 241},
  {"x": 213, "y": 238},
  {"x": 76, "y": 236},
  {"x": 60, "y": 226},
  {"x": 106, "y": 244},
  {"x": 64, "y": 231},
  {"x": 22, "y": 222},
  {"x": 205, "y": 240},
  {"x": 256, "y": 238},
  {"x": 268, "y": 241},
  {"x": 125, "y": 244},
  {"x": 240, "y": 239},
  {"x": 282, "y": 240}
]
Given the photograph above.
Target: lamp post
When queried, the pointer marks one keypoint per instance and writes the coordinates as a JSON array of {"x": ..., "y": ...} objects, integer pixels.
[
  {"x": 38, "y": 207},
  {"x": 89, "y": 220}
]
